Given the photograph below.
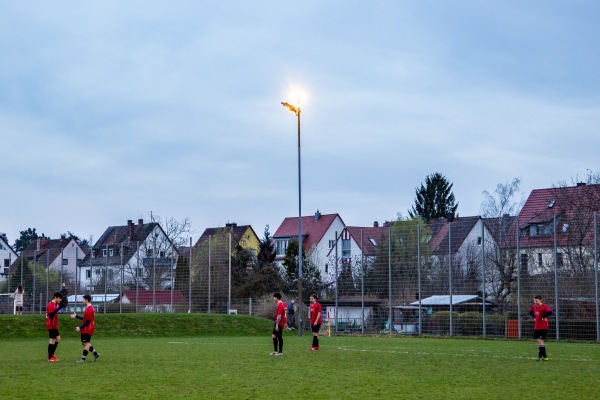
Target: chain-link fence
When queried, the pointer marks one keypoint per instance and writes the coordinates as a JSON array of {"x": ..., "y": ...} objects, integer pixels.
[{"x": 458, "y": 276}]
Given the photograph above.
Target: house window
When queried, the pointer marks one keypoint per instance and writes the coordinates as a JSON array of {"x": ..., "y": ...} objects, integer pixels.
[
  {"x": 6, "y": 264},
  {"x": 93, "y": 253},
  {"x": 346, "y": 249},
  {"x": 281, "y": 247},
  {"x": 533, "y": 230},
  {"x": 373, "y": 242},
  {"x": 111, "y": 252},
  {"x": 88, "y": 274},
  {"x": 524, "y": 260},
  {"x": 560, "y": 262},
  {"x": 6, "y": 271},
  {"x": 331, "y": 244},
  {"x": 150, "y": 253},
  {"x": 326, "y": 267},
  {"x": 540, "y": 260},
  {"x": 161, "y": 254},
  {"x": 65, "y": 261},
  {"x": 479, "y": 240},
  {"x": 103, "y": 252}
]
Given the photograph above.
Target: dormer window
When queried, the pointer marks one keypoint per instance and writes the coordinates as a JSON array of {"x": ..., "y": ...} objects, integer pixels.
[{"x": 551, "y": 204}]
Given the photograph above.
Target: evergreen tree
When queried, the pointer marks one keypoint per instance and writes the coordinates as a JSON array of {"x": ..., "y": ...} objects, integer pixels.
[{"x": 435, "y": 199}]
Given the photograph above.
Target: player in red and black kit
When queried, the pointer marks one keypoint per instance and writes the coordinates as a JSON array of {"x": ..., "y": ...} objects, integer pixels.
[
  {"x": 52, "y": 325},
  {"x": 540, "y": 313},
  {"x": 316, "y": 319},
  {"x": 280, "y": 324},
  {"x": 87, "y": 328}
]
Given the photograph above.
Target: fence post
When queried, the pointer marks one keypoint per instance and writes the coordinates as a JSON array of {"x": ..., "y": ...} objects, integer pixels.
[
  {"x": 190, "y": 280},
  {"x": 483, "y": 272},
  {"x": 229, "y": 276},
  {"x": 450, "y": 267},
  {"x": 336, "y": 282},
  {"x": 209, "y": 265},
  {"x": 419, "y": 274},
  {"x": 362, "y": 283},
  {"x": 556, "y": 280},
  {"x": 518, "y": 261},
  {"x": 250, "y": 306},
  {"x": 121, "y": 280},
  {"x": 390, "y": 318},
  {"x": 596, "y": 275}
]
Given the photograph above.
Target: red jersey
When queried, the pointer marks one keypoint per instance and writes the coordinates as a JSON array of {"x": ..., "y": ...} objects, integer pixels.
[
  {"x": 51, "y": 321},
  {"x": 88, "y": 315},
  {"x": 540, "y": 316},
  {"x": 281, "y": 310},
  {"x": 315, "y": 309}
]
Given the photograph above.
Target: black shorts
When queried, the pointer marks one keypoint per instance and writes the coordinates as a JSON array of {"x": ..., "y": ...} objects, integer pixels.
[
  {"x": 278, "y": 332},
  {"x": 53, "y": 333},
  {"x": 315, "y": 328},
  {"x": 86, "y": 338},
  {"x": 540, "y": 334},
  {"x": 19, "y": 308}
]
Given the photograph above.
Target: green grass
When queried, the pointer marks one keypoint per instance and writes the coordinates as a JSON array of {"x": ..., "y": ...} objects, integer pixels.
[{"x": 239, "y": 367}]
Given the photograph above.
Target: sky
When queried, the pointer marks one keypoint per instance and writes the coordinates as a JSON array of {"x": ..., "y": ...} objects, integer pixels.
[{"x": 113, "y": 110}]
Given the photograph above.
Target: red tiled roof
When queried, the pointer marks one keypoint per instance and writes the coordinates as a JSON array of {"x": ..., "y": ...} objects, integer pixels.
[
  {"x": 161, "y": 297},
  {"x": 369, "y": 234},
  {"x": 312, "y": 231},
  {"x": 461, "y": 227},
  {"x": 48, "y": 250},
  {"x": 565, "y": 202}
]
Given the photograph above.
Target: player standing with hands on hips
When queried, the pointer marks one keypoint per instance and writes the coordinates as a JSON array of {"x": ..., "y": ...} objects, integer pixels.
[
  {"x": 316, "y": 319},
  {"x": 86, "y": 328},
  {"x": 540, "y": 313},
  {"x": 280, "y": 324}
]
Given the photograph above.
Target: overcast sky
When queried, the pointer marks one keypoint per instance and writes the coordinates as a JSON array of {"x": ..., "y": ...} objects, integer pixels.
[{"x": 110, "y": 110}]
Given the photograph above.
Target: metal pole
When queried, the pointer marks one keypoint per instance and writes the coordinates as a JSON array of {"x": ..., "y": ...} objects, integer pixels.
[
  {"x": 300, "y": 304},
  {"x": 105, "y": 277},
  {"x": 209, "y": 262},
  {"x": 154, "y": 274},
  {"x": 172, "y": 277},
  {"x": 450, "y": 270},
  {"x": 596, "y": 275},
  {"x": 190, "y": 280},
  {"x": 556, "y": 280},
  {"x": 390, "y": 319},
  {"x": 336, "y": 282},
  {"x": 483, "y": 272},
  {"x": 518, "y": 261},
  {"x": 48, "y": 276},
  {"x": 419, "y": 272},
  {"x": 34, "y": 273},
  {"x": 76, "y": 280},
  {"x": 137, "y": 282},
  {"x": 362, "y": 283},
  {"x": 229, "y": 277},
  {"x": 121, "y": 280},
  {"x": 62, "y": 257}
]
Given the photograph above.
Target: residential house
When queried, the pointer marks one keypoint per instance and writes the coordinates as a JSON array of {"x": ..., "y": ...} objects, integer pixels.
[
  {"x": 62, "y": 255},
  {"x": 242, "y": 235},
  {"x": 137, "y": 255},
  {"x": 7, "y": 256},
  {"x": 157, "y": 300},
  {"x": 568, "y": 212},
  {"x": 318, "y": 237},
  {"x": 355, "y": 243},
  {"x": 459, "y": 239}
]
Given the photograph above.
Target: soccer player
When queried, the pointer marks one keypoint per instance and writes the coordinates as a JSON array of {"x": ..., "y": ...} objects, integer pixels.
[
  {"x": 52, "y": 310},
  {"x": 280, "y": 324},
  {"x": 86, "y": 328},
  {"x": 540, "y": 313},
  {"x": 316, "y": 319}
]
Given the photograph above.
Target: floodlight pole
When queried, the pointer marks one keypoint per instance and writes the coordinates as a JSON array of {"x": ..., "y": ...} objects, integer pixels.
[{"x": 297, "y": 111}]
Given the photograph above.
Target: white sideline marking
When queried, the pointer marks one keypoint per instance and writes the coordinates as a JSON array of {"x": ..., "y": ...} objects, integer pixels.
[
  {"x": 424, "y": 353},
  {"x": 178, "y": 342}
]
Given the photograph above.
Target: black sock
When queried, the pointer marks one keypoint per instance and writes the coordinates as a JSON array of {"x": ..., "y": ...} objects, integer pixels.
[
  {"x": 85, "y": 353},
  {"x": 50, "y": 350},
  {"x": 314, "y": 341},
  {"x": 317, "y": 341},
  {"x": 540, "y": 351},
  {"x": 281, "y": 345},
  {"x": 93, "y": 351},
  {"x": 275, "y": 344},
  {"x": 544, "y": 352}
]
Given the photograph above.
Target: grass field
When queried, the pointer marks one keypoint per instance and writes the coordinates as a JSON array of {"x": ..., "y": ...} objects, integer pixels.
[{"x": 239, "y": 367}]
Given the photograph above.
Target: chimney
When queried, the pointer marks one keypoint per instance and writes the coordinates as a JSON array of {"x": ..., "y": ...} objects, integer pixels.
[
  {"x": 130, "y": 226},
  {"x": 376, "y": 224},
  {"x": 231, "y": 225},
  {"x": 580, "y": 183},
  {"x": 317, "y": 215},
  {"x": 63, "y": 237},
  {"x": 140, "y": 222}
]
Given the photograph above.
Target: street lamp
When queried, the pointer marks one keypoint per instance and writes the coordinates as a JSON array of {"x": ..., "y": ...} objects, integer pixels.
[{"x": 296, "y": 110}]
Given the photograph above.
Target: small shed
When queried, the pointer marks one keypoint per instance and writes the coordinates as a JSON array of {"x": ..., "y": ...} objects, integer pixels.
[{"x": 460, "y": 303}]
